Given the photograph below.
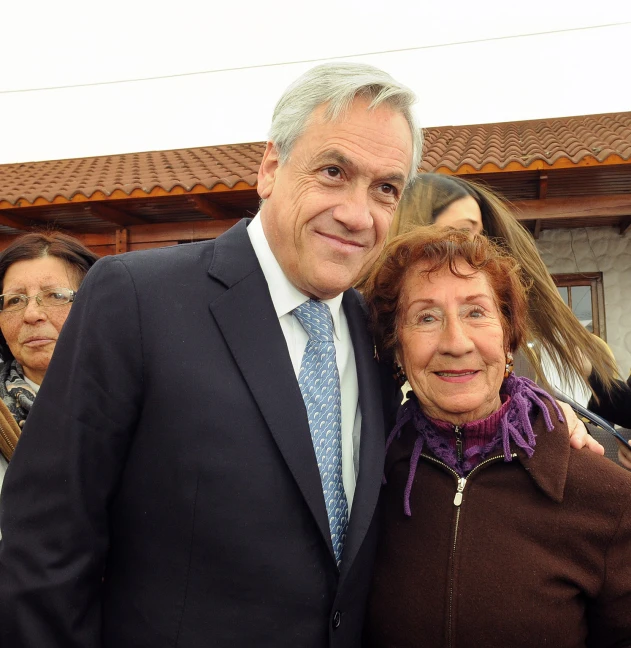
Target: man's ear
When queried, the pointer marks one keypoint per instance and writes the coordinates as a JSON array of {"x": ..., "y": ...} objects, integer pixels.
[{"x": 267, "y": 171}]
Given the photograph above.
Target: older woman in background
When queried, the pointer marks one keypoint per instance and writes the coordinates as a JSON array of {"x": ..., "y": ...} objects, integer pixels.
[
  {"x": 451, "y": 201},
  {"x": 494, "y": 532},
  {"x": 39, "y": 276}
]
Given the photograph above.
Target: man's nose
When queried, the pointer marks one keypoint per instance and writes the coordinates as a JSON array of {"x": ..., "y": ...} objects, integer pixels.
[{"x": 355, "y": 213}]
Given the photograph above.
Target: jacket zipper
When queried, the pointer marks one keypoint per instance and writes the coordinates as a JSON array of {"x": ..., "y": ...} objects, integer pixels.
[
  {"x": 459, "y": 450},
  {"x": 6, "y": 438},
  {"x": 462, "y": 482}
]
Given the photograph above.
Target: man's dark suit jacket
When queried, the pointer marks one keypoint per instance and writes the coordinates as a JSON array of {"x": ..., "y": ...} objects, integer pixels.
[{"x": 165, "y": 490}]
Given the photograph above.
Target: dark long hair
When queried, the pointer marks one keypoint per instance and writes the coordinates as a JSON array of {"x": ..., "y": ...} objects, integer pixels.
[
  {"x": 552, "y": 324},
  {"x": 35, "y": 245}
]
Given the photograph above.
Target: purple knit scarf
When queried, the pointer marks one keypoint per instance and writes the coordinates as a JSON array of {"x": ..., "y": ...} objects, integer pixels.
[{"x": 515, "y": 425}]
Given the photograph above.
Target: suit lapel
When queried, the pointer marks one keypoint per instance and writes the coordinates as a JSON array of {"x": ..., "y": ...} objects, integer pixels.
[
  {"x": 246, "y": 317},
  {"x": 372, "y": 445}
]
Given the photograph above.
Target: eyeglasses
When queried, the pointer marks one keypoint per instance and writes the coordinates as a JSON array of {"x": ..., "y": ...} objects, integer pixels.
[{"x": 11, "y": 302}]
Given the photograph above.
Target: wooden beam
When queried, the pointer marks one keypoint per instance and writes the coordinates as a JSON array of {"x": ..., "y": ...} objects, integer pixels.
[
  {"x": 116, "y": 216},
  {"x": 543, "y": 185},
  {"x": 89, "y": 240},
  {"x": 625, "y": 226},
  {"x": 16, "y": 223},
  {"x": 582, "y": 207},
  {"x": 537, "y": 228},
  {"x": 211, "y": 209},
  {"x": 187, "y": 231},
  {"x": 160, "y": 233},
  {"x": 122, "y": 237}
]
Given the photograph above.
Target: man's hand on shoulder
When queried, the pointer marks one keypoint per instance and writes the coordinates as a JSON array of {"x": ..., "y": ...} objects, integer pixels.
[{"x": 579, "y": 437}]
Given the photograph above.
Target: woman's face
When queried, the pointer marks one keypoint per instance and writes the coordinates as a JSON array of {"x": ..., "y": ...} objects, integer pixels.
[
  {"x": 451, "y": 343},
  {"x": 463, "y": 213},
  {"x": 31, "y": 333}
]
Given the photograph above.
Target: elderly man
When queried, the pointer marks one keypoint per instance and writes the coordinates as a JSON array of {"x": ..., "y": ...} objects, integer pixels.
[
  {"x": 179, "y": 482},
  {"x": 203, "y": 462}
]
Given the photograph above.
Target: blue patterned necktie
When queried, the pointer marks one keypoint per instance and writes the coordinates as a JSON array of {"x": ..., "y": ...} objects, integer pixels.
[{"x": 319, "y": 383}]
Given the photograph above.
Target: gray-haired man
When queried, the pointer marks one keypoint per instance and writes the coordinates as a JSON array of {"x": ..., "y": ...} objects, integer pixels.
[{"x": 178, "y": 482}]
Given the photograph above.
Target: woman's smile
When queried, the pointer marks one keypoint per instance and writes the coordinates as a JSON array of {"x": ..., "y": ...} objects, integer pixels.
[{"x": 457, "y": 376}]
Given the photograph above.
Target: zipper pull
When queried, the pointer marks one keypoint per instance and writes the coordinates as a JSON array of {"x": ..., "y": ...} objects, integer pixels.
[
  {"x": 459, "y": 450},
  {"x": 461, "y": 484}
]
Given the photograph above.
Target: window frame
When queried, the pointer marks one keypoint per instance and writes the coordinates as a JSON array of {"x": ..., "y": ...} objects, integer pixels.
[{"x": 595, "y": 281}]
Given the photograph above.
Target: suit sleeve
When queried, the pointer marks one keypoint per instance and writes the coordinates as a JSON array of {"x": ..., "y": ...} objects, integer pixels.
[
  {"x": 54, "y": 503},
  {"x": 614, "y": 406}
]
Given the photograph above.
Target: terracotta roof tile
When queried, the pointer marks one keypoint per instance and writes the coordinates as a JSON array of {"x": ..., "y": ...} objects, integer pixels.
[
  {"x": 549, "y": 141},
  {"x": 185, "y": 168},
  {"x": 568, "y": 141}
]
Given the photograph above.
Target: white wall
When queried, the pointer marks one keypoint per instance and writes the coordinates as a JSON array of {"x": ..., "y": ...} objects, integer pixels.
[{"x": 600, "y": 249}]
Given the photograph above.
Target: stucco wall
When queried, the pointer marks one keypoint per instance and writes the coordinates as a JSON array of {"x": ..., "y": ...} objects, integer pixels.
[{"x": 600, "y": 249}]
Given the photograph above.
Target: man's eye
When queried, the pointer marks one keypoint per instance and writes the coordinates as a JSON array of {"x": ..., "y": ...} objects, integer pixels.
[
  {"x": 389, "y": 192},
  {"x": 333, "y": 172}
]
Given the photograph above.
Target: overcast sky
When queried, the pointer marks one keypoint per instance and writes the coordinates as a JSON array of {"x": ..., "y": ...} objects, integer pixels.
[{"x": 81, "y": 79}]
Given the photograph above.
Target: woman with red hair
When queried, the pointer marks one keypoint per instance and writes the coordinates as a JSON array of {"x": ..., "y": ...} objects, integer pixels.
[
  {"x": 494, "y": 532},
  {"x": 570, "y": 350}
]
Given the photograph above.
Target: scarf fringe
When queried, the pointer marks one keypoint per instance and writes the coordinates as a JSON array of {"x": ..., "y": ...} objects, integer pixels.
[{"x": 527, "y": 399}]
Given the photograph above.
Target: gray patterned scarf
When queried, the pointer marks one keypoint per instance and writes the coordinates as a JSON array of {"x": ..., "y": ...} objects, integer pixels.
[{"x": 15, "y": 392}]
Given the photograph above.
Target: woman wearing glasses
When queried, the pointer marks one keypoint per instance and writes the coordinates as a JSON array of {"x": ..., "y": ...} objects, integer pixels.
[{"x": 39, "y": 276}]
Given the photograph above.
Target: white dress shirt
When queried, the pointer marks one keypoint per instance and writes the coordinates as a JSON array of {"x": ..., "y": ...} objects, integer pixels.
[{"x": 286, "y": 297}]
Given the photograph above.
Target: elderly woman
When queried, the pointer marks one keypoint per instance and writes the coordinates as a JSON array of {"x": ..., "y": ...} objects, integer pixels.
[
  {"x": 39, "y": 276},
  {"x": 451, "y": 201},
  {"x": 494, "y": 532}
]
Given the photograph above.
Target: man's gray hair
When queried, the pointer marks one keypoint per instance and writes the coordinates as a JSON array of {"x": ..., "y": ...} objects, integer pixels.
[{"x": 338, "y": 84}]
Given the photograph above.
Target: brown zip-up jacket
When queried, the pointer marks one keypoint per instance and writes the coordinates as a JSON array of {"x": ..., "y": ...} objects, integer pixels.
[
  {"x": 9, "y": 432},
  {"x": 535, "y": 552}
]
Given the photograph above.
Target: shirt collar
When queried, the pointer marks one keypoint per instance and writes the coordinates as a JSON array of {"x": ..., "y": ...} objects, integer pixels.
[{"x": 285, "y": 296}]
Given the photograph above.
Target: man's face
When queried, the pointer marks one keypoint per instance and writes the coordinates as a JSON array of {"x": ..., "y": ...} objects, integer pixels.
[{"x": 328, "y": 208}]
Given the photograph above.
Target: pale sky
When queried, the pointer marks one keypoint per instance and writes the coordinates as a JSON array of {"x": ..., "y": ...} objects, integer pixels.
[{"x": 82, "y": 79}]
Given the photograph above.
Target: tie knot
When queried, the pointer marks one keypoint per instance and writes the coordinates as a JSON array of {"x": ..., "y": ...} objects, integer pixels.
[{"x": 316, "y": 320}]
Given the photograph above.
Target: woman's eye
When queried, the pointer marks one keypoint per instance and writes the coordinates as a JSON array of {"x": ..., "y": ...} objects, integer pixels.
[{"x": 476, "y": 314}]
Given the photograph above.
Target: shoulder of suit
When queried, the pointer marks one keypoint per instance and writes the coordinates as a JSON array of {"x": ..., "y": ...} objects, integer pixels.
[{"x": 166, "y": 259}]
